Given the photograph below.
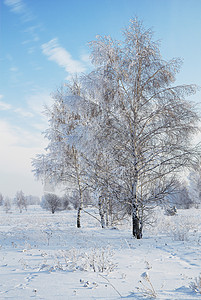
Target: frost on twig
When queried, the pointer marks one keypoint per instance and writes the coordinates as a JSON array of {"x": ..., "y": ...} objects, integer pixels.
[
  {"x": 147, "y": 288},
  {"x": 95, "y": 260},
  {"x": 111, "y": 285},
  {"x": 196, "y": 285}
]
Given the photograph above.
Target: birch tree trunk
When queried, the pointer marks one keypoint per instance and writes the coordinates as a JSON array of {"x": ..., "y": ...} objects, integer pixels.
[
  {"x": 107, "y": 212},
  {"x": 136, "y": 229},
  {"x": 80, "y": 207},
  {"x": 101, "y": 213},
  {"x": 79, "y": 210}
]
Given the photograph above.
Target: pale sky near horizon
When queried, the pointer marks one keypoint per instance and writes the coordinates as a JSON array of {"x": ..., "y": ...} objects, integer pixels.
[{"x": 44, "y": 42}]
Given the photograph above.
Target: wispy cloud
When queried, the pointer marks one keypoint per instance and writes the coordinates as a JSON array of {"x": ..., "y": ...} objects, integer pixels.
[
  {"x": 23, "y": 113},
  {"x": 33, "y": 37},
  {"x": 4, "y": 105},
  {"x": 31, "y": 28},
  {"x": 32, "y": 31},
  {"x": 62, "y": 57},
  {"x": 14, "y": 69},
  {"x": 20, "y": 8},
  {"x": 20, "y": 111},
  {"x": 16, "y": 6},
  {"x": 52, "y": 49},
  {"x": 35, "y": 106}
]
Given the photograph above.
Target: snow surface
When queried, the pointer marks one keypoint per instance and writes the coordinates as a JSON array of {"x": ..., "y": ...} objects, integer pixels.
[{"x": 44, "y": 256}]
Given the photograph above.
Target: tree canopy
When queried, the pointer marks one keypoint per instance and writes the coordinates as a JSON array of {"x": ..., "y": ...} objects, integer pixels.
[{"x": 124, "y": 131}]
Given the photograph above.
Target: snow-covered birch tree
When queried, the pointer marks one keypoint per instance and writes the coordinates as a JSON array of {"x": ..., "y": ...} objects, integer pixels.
[
  {"x": 62, "y": 164},
  {"x": 146, "y": 122},
  {"x": 126, "y": 128}
]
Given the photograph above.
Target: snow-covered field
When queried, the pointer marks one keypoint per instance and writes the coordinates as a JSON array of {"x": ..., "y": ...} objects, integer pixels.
[{"x": 44, "y": 256}]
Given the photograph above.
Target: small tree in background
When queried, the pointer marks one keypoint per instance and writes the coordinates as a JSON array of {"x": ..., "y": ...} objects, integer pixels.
[
  {"x": 33, "y": 200},
  {"x": 21, "y": 201},
  {"x": 65, "y": 202},
  {"x": 7, "y": 204},
  {"x": 1, "y": 199},
  {"x": 51, "y": 202},
  {"x": 182, "y": 199},
  {"x": 194, "y": 186}
]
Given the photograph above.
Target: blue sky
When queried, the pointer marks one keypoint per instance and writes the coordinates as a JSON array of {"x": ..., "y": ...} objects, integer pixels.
[{"x": 44, "y": 42}]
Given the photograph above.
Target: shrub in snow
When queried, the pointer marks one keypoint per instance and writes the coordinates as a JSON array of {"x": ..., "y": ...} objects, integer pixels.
[
  {"x": 51, "y": 202},
  {"x": 48, "y": 234},
  {"x": 146, "y": 286},
  {"x": 96, "y": 260},
  {"x": 21, "y": 201},
  {"x": 196, "y": 285},
  {"x": 181, "y": 227},
  {"x": 99, "y": 260},
  {"x": 171, "y": 211},
  {"x": 7, "y": 204},
  {"x": 54, "y": 203}
]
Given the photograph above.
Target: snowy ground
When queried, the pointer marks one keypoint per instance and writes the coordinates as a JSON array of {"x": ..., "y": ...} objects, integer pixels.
[{"x": 44, "y": 256}]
